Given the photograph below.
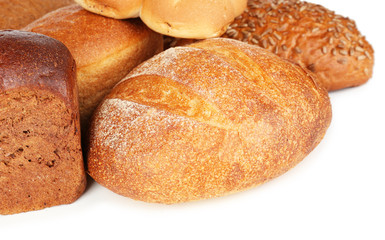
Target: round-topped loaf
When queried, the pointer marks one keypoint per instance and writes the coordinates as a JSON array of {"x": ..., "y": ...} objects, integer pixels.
[{"x": 215, "y": 117}]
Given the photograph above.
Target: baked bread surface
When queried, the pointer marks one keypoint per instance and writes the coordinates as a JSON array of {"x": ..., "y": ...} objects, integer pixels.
[
  {"x": 41, "y": 163},
  {"x": 16, "y": 14},
  {"x": 182, "y": 18},
  {"x": 311, "y": 35},
  {"x": 105, "y": 49},
  {"x": 203, "y": 121}
]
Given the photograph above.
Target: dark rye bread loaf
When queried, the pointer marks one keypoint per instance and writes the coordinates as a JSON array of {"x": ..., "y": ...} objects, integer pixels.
[
  {"x": 41, "y": 161},
  {"x": 309, "y": 34},
  {"x": 202, "y": 121}
]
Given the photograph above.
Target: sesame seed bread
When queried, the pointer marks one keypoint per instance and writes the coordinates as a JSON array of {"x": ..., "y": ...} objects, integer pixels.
[
  {"x": 41, "y": 163},
  {"x": 311, "y": 35},
  {"x": 202, "y": 121},
  {"x": 105, "y": 49},
  {"x": 16, "y": 14},
  {"x": 182, "y": 18}
]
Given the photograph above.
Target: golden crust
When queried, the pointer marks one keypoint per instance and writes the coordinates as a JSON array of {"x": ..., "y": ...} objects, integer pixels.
[
  {"x": 16, "y": 14},
  {"x": 181, "y": 18},
  {"x": 105, "y": 49},
  {"x": 118, "y": 9},
  {"x": 206, "y": 120},
  {"x": 190, "y": 19}
]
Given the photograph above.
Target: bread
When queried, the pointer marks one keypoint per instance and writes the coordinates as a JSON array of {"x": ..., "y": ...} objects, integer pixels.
[
  {"x": 16, "y": 14},
  {"x": 311, "y": 35},
  {"x": 118, "y": 9},
  {"x": 183, "y": 18},
  {"x": 41, "y": 163},
  {"x": 191, "y": 18},
  {"x": 202, "y": 121},
  {"x": 105, "y": 49}
]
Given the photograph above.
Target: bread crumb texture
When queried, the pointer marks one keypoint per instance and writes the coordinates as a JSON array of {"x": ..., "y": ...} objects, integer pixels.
[
  {"x": 39, "y": 159},
  {"x": 206, "y": 120}
]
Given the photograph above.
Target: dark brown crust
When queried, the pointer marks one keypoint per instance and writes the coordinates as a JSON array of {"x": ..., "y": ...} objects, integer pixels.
[
  {"x": 206, "y": 120},
  {"x": 36, "y": 68},
  {"x": 47, "y": 60}
]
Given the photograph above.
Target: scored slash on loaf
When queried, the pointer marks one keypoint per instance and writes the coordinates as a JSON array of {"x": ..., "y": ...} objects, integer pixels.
[{"x": 197, "y": 122}]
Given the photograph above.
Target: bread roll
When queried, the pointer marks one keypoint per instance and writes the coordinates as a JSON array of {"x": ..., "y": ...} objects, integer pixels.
[
  {"x": 118, "y": 9},
  {"x": 16, "y": 14},
  {"x": 41, "y": 162},
  {"x": 202, "y": 121},
  {"x": 105, "y": 49},
  {"x": 182, "y": 18},
  {"x": 316, "y": 38},
  {"x": 191, "y": 18}
]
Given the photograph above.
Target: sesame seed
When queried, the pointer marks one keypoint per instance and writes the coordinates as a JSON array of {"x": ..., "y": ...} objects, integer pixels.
[
  {"x": 264, "y": 43},
  {"x": 303, "y": 8},
  {"x": 276, "y": 49},
  {"x": 351, "y": 51},
  {"x": 267, "y": 31},
  {"x": 361, "y": 57},
  {"x": 232, "y": 33},
  {"x": 274, "y": 21},
  {"x": 297, "y": 50},
  {"x": 324, "y": 50},
  {"x": 343, "y": 52},
  {"x": 243, "y": 25},
  {"x": 348, "y": 36},
  {"x": 284, "y": 47},
  {"x": 316, "y": 29},
  {"x": 271, "y": 41},
  {"x": 255, "y": 41},
  {"x": 277, "y": 36},
  {"x": 359, "y": 49},
  {"x": 367, "y": 55}
]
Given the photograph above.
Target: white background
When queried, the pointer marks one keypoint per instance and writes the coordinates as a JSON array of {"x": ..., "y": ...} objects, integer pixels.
[{"x": 337, "y": 192}]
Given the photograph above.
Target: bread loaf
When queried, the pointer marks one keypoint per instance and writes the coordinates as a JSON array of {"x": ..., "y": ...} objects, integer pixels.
[
  {"x": 41, "y": 162},
  {"x": 105, "y": 49},
  {"x": 183, "y": 18},
  {"x": 190, "y": 18},
  {"x": 16, "y": 14},
  {"x": 311, "y": 35},
  {"x": 202, "y": 121},
  {"x": 118, "y": 9}
]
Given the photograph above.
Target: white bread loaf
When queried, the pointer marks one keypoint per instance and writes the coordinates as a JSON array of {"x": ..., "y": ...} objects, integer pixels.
[
  {"x": 182, "y": 18},
  {"x": 202, "y": 121},
  {"x": 105, "y": 49}
]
